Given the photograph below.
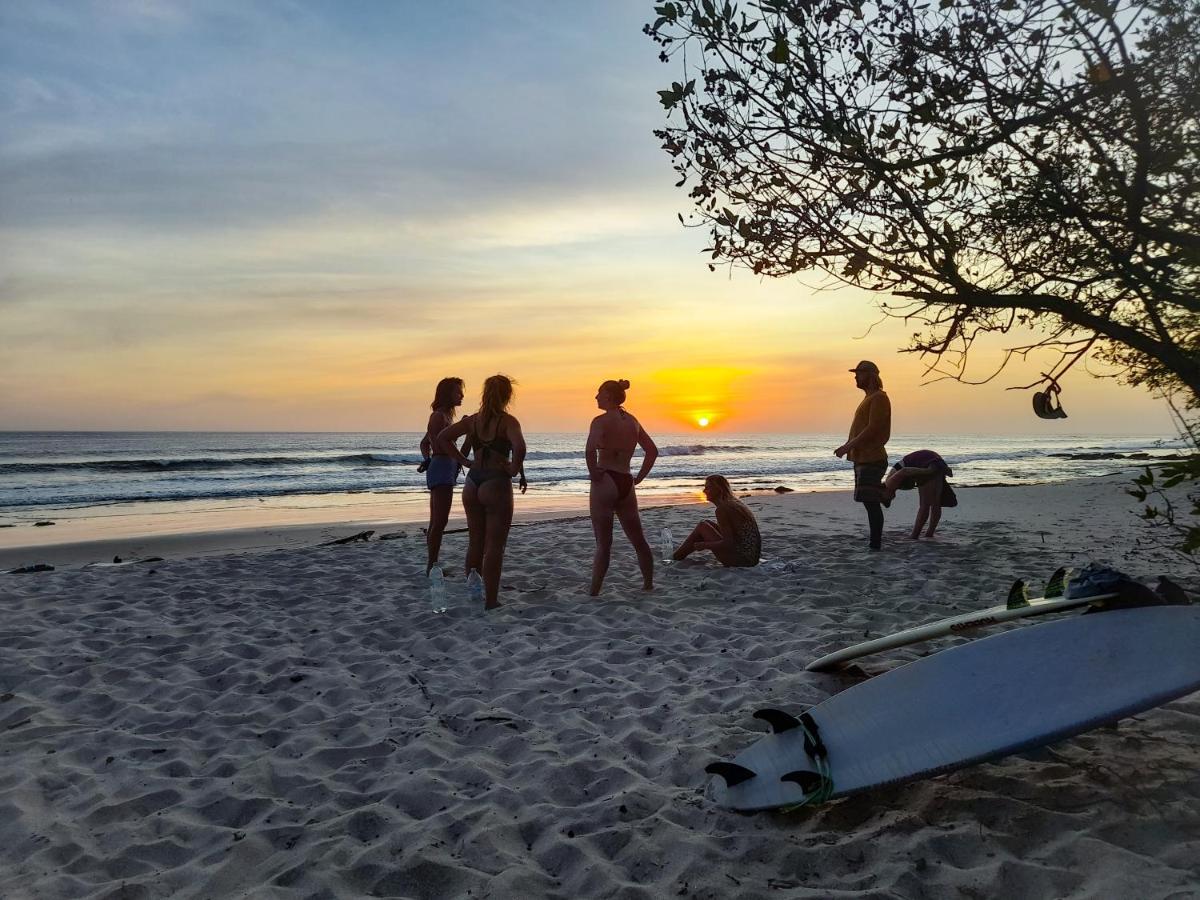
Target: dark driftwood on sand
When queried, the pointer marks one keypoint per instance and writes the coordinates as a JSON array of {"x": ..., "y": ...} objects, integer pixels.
[{"x": 361, "y": 536}]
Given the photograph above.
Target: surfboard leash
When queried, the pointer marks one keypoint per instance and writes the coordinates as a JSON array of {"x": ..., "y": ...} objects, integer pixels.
[{"x": 815, "y": 748}]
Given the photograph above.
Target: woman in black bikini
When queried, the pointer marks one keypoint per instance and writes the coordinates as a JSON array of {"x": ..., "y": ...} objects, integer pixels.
[
  {"x": 487, "y": 494},
  {"x": 611, "y": 441}
]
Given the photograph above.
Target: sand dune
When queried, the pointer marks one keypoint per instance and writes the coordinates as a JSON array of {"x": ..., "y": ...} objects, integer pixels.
[{"x": 298, "y": 723}]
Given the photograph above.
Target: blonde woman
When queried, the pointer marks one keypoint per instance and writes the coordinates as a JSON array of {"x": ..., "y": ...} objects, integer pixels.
[
  {"x": 612, "y": 439},
  {"x": 487, "y": 495},
  {"x": 734, "y": 538}
]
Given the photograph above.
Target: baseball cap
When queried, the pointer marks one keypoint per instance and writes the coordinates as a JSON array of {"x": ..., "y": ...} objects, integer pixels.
[{"x": 865, "y": 366}]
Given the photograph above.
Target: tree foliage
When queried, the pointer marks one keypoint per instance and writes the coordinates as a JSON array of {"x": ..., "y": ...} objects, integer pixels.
[
  {"x": 1171, "y": 492},
  {"x": 986, "y": 164}
]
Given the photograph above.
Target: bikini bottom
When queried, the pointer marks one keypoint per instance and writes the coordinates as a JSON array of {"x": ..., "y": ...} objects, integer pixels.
[
  {"x": 623, "y": 481},
  {"x": 480, "y": 477}
]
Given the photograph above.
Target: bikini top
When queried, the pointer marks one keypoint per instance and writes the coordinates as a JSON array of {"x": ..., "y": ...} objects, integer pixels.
[
  {"x": 501, "y": 446},
  {"x": 629, "y": 450}
]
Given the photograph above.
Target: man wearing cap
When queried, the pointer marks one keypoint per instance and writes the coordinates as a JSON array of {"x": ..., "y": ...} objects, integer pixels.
[{"x": 869, "y": 433}]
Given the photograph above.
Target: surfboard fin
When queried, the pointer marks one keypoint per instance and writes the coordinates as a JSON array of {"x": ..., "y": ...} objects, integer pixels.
[
  {"x": 778, "y": 720},
  {"x": 810, "y": 782},
  {"x": 731, "y": 772},
  {"x": 1018, "y": 595},
  {"x": 1171, "y": 592},
  {"x": 1057, "y": 585}
]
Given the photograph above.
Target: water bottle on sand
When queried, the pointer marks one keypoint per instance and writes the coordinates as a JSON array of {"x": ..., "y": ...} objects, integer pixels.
[
  {"x": 475, "y": 591},
  {"x": 667, "y": 544},
  {"x": 437, "y": 590}
]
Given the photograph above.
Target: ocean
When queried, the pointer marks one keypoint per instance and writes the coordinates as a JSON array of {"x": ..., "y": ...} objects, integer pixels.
[{"x": 43, "y": 473}]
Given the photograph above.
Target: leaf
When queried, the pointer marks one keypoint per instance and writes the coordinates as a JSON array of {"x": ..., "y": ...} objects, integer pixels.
[{"x": 779, "y": 53}]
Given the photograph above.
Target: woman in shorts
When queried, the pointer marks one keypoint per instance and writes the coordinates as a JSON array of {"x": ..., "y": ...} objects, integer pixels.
[{"x": 441, "y": 469}]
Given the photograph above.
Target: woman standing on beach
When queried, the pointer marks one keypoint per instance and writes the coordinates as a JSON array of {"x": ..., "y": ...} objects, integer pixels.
[
  {"x": 611, "y": 441},
  {"x": 487, "y": 494},
  {"x": 441, "y": 469},
  {"x": 734, "y": 538}
]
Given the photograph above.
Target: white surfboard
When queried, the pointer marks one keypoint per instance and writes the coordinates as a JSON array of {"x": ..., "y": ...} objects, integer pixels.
[
  {"x": 955, "y": 625},
  {"x": 968, "y": 704}
]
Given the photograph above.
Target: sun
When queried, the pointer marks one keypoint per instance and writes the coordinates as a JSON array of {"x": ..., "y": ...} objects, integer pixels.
[{"x": 702, "y": 421}]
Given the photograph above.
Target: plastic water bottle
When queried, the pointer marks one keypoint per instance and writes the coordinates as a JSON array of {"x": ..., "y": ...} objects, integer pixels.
[
  {"x": 437, "y": 590},
  {"x": 475, "y": 591},
  {"x": 667, "y": 544}
]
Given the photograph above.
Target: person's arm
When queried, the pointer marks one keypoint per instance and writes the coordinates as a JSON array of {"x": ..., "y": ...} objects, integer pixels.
[
  {"x": 919, "y": 474},
  {"x": 591, "y": 452},
  {"x": 432, "y": 427},
  {"x": 517, "y": 439},
  {"x": 651, "y": 454},
  {"x": 446, "y": 440}
]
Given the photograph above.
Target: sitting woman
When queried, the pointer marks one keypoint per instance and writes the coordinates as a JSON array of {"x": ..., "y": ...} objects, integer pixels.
[
  {"x": 734, "y": 538},
  {"x": 927, "y": 472}
]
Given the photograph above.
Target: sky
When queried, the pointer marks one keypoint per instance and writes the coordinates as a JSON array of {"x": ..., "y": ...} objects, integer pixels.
[{"x": 284, "y": 215}]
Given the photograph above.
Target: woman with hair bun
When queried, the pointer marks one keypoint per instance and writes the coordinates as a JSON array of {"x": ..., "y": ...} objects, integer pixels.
[
  {"x": 613, "y": 437},
  {"x": 441, "y": 470},
  {"x": 734, "y": 538},
  {"x": 487, "y": 494}
]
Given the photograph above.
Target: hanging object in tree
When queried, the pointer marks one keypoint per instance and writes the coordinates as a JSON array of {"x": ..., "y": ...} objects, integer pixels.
[{"x": 1046, "y": 404}]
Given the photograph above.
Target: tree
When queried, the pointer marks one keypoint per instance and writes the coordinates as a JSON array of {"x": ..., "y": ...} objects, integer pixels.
[{"x": 986, "y": 164}]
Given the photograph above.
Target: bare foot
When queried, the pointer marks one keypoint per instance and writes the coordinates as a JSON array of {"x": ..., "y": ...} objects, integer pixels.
[{"x": 495, "y": 605}]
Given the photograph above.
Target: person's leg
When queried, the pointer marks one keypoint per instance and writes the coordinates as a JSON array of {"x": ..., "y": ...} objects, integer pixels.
[
  {"x": 868, "y": 490},
  {"x": 601, "y": 500},
  {"x": 440, "y": 500},
  {"x": 706, "y": 532},
  {"x": 922, "y": 515},
  {"x": 875, "y": 522},
  {"x": 631, "y": 524},
  {"x": 931, "y": 502},
  {"x": 497, "y": 499},
  {"x": 476, "y": 526}
]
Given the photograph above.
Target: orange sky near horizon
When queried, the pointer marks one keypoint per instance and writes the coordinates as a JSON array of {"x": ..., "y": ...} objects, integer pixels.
[{"x": 749, "y": 355}]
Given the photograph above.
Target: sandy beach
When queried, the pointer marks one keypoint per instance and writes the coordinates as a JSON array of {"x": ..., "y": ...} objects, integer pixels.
[{"x": 292, "y": 720}]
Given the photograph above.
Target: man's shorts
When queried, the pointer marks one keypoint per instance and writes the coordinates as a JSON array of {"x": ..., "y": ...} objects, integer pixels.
[{"x": 868, "y": 481}]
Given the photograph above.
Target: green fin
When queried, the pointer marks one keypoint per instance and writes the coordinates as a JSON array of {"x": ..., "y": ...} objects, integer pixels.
[
  {"x": 1018, "y": 595},
  {"x": 1057, "y": 585}
]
